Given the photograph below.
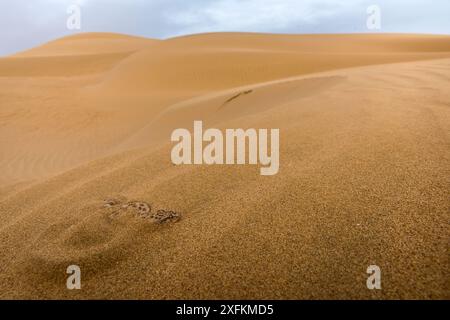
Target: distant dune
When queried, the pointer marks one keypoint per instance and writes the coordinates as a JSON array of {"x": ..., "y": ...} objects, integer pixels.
[{"x": 365, "y": 160}]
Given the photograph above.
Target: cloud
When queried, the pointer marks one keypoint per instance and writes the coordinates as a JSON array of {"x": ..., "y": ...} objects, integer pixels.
[
  {"x": 24, "y": 23},
  {"x": 257, "y": 15}
]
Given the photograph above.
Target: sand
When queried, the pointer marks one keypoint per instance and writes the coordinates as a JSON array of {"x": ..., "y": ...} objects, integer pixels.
[{"x": 364, "y": 167}]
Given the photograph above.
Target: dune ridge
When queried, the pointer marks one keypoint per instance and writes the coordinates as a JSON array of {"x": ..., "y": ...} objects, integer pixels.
[
  {"x": 363, "y": 174},
  {"x": 82, "y": 92}
]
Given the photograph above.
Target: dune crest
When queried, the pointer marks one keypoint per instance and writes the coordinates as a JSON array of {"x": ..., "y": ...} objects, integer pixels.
[
  {"x": 88, "y": 44},
  {"x": 120, "y": 88}
]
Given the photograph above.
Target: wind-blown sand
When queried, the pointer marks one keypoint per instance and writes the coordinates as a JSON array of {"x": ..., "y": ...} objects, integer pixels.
[{"x": 364, "y": 167}]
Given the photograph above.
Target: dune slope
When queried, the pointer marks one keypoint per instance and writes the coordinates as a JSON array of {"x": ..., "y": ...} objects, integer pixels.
[{"x": 363, "y": 178}]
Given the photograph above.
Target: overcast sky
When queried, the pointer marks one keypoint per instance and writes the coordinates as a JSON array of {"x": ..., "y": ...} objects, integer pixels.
[{"x": 27, "y": 23}]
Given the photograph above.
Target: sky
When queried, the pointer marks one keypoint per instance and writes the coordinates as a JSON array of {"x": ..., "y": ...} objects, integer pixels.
[{"x": 27, "y": 23}]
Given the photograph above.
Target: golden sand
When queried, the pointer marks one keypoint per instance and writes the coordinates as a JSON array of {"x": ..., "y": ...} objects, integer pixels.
[{"x": 364, "y": 167}]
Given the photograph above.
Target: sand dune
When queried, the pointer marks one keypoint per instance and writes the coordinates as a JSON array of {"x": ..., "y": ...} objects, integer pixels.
[
  {"x": 89, "y": 44},
  {"x": 363, "y": 177}
]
